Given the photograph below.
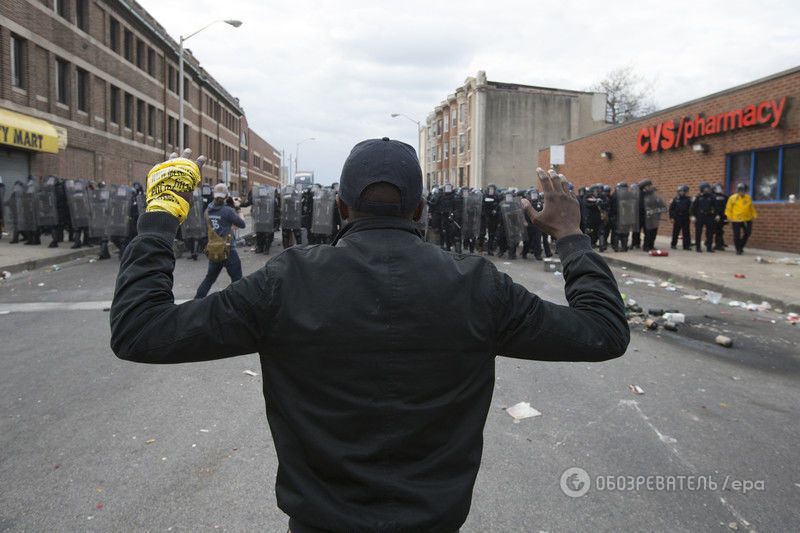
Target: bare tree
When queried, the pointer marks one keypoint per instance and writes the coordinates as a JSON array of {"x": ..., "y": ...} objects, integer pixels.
[{"x": 628, "y": 95}]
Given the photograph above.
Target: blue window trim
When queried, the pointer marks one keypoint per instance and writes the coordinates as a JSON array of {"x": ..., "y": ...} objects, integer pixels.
[{"x": 781, "y": 148}]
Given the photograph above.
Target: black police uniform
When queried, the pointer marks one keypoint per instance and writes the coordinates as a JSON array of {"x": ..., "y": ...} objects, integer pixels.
[
  {"x": 679, "y": 213},
  {"x": 704, "y": 210},
  {"x": 720, "y": 202}
]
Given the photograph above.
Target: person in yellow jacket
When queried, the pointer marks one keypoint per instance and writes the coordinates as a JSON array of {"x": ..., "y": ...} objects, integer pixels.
[{"x": 740, "y": 212}]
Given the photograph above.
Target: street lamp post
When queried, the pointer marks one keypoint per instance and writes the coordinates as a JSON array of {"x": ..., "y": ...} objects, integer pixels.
[
  {"x": 235, "y": 24},
  {"x": 297, "y": 153},
  {"x": 420, "y": 155}
]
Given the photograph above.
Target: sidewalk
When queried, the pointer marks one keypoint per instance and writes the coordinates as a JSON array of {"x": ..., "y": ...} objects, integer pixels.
[
  {"x": 18, "y": 257},
  {"x": 775, "y": 280}
]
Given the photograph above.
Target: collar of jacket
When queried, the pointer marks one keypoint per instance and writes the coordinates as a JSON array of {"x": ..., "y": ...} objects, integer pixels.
[{"x": 372, "y": 223}]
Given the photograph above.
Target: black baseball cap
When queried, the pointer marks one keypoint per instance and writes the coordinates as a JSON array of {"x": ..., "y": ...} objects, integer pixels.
[{"x": 381, "y": 161}]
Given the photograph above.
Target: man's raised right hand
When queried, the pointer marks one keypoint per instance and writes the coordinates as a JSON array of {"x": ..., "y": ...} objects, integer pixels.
[{"x": 561, "y": 216}]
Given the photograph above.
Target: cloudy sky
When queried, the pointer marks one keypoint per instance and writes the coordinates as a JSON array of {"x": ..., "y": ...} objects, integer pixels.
[{"x": 336, "y": 70}]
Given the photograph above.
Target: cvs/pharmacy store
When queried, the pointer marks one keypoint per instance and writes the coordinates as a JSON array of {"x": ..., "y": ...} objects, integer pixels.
[{"x": 747, "y": 134}]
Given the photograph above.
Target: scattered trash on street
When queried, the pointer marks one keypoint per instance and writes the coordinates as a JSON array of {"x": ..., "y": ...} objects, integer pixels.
[
  {"x": 712, "y": 296},
  {"x": 250, "y": 373},
  {"x": 5, "y": 274},
  {"x": 40, "y": 284},
  {"x": 149, "y": 441},
  {"x": 636, "y": 389},
  {"x": 722, "y": 340},
  {"x": 659, "y": 253},
  {"x": 521, "y": 411},
  {"x": 677, "y": 318},
  {"x": 650, "y": 324},
  {"x": 670, "y": 326},
  {"x": 739, "y": 276}
]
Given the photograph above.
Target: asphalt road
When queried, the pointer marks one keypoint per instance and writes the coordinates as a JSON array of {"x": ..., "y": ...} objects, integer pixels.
[{"x": 89, "y": 442}]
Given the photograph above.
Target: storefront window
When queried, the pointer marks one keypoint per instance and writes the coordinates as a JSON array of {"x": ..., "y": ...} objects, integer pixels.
[
  {"x": 770, "y": 175},
  {"x": 765, "y": 180},
  {"x": 740, "y": 171},
  {"x": 791, "y": 173}
]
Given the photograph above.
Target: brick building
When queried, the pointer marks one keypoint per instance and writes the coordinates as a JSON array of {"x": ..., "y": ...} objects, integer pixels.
[
  {"x": 488, "y": 131},
  {"x": 89, "y": 89},
  {"x": 747, "y": 134}
]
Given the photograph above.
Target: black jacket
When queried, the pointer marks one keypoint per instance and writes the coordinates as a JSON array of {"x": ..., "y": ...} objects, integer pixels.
[
  {"x": 679, "y": 208},
  {"x": 377, "y": 417}
]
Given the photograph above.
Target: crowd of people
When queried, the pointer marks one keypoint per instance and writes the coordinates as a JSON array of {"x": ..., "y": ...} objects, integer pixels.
[
  {"x": 626, "y": 217},
  {"x": 491, "y": 221},
  {"x": 88, "y": 213}
]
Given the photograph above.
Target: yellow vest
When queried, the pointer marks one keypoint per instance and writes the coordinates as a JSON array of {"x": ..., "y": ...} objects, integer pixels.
[{"x": 740, "y": 208}]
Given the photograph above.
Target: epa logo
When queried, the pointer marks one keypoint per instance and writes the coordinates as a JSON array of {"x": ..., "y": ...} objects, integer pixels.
[{"x": 575, "y": 482}]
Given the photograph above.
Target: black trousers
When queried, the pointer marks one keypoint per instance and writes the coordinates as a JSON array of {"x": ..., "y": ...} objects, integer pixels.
[
  {"x": 649, "y": 239},
  {"x": 533, "y": 243},
  {"x": 287, "y": 235},
  {"x": 708, "y": 224},
  {"x": 719, "y": 234},
  {"x": 491, "y": 226},
  {"x": 741, "y": 232},
  {"x": 681, "y": 226},
  {"x": 619, "y": 241},
  {"x": 450, "y": 234}
]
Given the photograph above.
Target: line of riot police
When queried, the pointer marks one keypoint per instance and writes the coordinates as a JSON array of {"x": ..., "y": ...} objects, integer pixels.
[
  {"x": 290, "y": 210},
  {"x": 89, "y": 212},
  {"x": 490, "y": 220}
]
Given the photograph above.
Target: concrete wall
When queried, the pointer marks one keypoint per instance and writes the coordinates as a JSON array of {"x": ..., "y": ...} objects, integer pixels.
[{"x": 520, "y": 123}]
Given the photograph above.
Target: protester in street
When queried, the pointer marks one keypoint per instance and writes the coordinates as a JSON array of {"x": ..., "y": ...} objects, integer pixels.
[
  {"x": 741, "y": 212},
  {"x": 377, "y": 417},
  {"x": 679, "y": 214},
  {"x": 221, "y": 218}
]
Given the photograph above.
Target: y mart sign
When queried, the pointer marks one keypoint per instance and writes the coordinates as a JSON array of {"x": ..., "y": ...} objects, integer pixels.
[{"x": 676, "y": 133}]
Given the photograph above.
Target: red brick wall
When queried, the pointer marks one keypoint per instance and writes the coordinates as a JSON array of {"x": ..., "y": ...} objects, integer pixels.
[
  {"x": 98, "y": 148},
  {"x": 776, "y": 227}
]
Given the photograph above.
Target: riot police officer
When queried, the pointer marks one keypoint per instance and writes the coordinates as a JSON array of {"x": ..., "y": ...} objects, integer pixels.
[
  {"x": 533, "y": 242},
  {"x": 704, "y": 214},
  {"x": 490, "y": 218},
  {"x": 594, "y": 215},
  {"x": 720, "y": 202},
  {"x": 679, "y": 214},
  {"x": 447, "y": 207}
]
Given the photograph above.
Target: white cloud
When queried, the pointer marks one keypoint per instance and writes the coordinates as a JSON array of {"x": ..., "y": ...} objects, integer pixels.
[{"x": 336, "y": 70}]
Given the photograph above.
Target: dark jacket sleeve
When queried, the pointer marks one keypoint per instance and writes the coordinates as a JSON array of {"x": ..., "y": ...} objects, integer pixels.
[
  {"x": 235, "y": 219},
  {"x": 148, "y": 327},
  {"x": 591, "y": 328}
]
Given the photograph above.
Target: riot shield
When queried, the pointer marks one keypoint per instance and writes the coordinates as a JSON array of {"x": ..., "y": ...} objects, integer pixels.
[
  {"x": 78, "y": 203},
  {"x": 141, "y": 203},
  {"x": 471, "y": 219},
  {"x": 98, "y": 212},
  {"x": 26, "y": 207},
  {"x": 291, "y": 208},
  {"x": 322, "y": 212},
  {"x": 194, "y": 227},
  {"x": 46, "y": 213},
  {"x": 263, "y": 209},
  {"x": 513, "y": 221},
  {"x": 653, "y": 207},
  {"x": 422, "y": 223},
  {"x": 627, "y": 211},
  {"x": 119, "y": 211}
]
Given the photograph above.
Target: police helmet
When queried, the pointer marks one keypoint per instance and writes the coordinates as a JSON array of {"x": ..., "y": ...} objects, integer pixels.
[
  {"x": 704, "y": 185},
  {"x": 645, "y": 183},
  {"x": 683, "y": 188},
  {"x": 622, "y": 184}
]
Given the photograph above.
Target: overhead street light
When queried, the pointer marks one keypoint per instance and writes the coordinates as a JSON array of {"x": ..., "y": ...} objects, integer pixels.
[
  {"x": 297, "y": 153},
  {"x": 231, "y": 22}
]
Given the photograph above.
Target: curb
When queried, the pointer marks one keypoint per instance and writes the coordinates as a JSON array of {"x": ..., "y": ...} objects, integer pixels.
[
  {"x": 34, "y": 264},
  {"x": 728, "y": 292}
]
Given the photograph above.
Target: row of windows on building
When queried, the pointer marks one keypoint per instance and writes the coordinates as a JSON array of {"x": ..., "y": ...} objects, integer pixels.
[
  {"x": 443, "y": 151},
  {"x": 123, "y": 41},
  {"x": 772, "y": 175},
  {"x": 76, "y": 11},
  {"x": 263, "y": 164},
  {"x": 458, "y": 175},
  {"x": 124, "y": 109},
  {"x": 442, "y": 125}
]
